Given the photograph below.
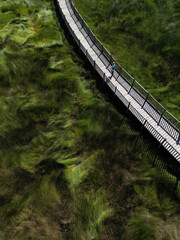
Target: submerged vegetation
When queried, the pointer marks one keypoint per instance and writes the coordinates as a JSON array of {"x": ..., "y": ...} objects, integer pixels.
[
  {"x": 144, "y": 37},
  {"x": 68, "y": 170}
]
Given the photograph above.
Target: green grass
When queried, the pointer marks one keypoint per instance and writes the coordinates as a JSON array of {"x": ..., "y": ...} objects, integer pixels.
[
  {"x": 144, "y": 38},
  {"x": 67, "y": 169}
]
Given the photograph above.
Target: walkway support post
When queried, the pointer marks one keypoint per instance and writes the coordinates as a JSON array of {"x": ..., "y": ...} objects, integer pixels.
[
  {"x": 79, "y": 45},
  {"x": 94, "y": 65},
  {"x": 126, "y": 112},
  {"x": 157, "y": 151},
  {"x": 177, "y": 182},
  {"x": 114, "y": 92},
  {"x": 141, "y": 129},
  {"x": 127, "y": 109},
  {"x": 103, "y": 79}
]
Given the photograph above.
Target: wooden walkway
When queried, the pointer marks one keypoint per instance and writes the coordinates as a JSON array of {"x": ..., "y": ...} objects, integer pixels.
[{"x": 161, "y": 124}]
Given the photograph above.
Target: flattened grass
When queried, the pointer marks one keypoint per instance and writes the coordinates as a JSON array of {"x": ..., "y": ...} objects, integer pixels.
[{"x": 64, "y": 162}]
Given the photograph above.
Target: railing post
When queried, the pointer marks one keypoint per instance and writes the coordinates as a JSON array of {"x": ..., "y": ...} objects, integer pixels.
[
  {"x": 102, "y": 48},
  {"x": 92, "y": 41},
  {"x": 145, "y": 100},
  {"x": 82, "y": 25},
  {"x": 127, "y": 109},
  {"x": 110, "y": 60},
  {"x": 178, "y": 140},
  {"x": 131, "y": 86},
  {"x": 120, "y": 71},
  {"x": 142, "y": 126},
  {"x": 114, "y": 92},
  {"x": 77, "y": 21},
  {"x": 104, "y": 79},
  {"x": 89, "y": 31},
  {"x": 94, "y": 65},
  {"x": 100, "y": 54},
  {"x": 74, "y": 41},
  {"x": 161, "y": 116},
  {"x": 87, "y": 36}
]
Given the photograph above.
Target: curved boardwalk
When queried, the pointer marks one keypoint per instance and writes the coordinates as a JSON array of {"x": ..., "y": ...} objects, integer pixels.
[{"x": 153, "y": 117}]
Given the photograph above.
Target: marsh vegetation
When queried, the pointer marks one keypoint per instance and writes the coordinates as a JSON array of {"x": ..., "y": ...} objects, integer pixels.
[
  {"x": 67, "y": 169},
  {"x": 144, "y": 37}
]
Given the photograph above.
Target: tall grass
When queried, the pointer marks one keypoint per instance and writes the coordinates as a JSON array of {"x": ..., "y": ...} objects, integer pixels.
[
  {"x": 67, "y": 169},
  {"x": 144, "y": 37}
]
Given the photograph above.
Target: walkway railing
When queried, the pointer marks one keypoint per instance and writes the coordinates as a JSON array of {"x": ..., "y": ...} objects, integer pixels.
[
  {"x": 133, "y": 89},
  {"x": 163, "y": 118}
]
